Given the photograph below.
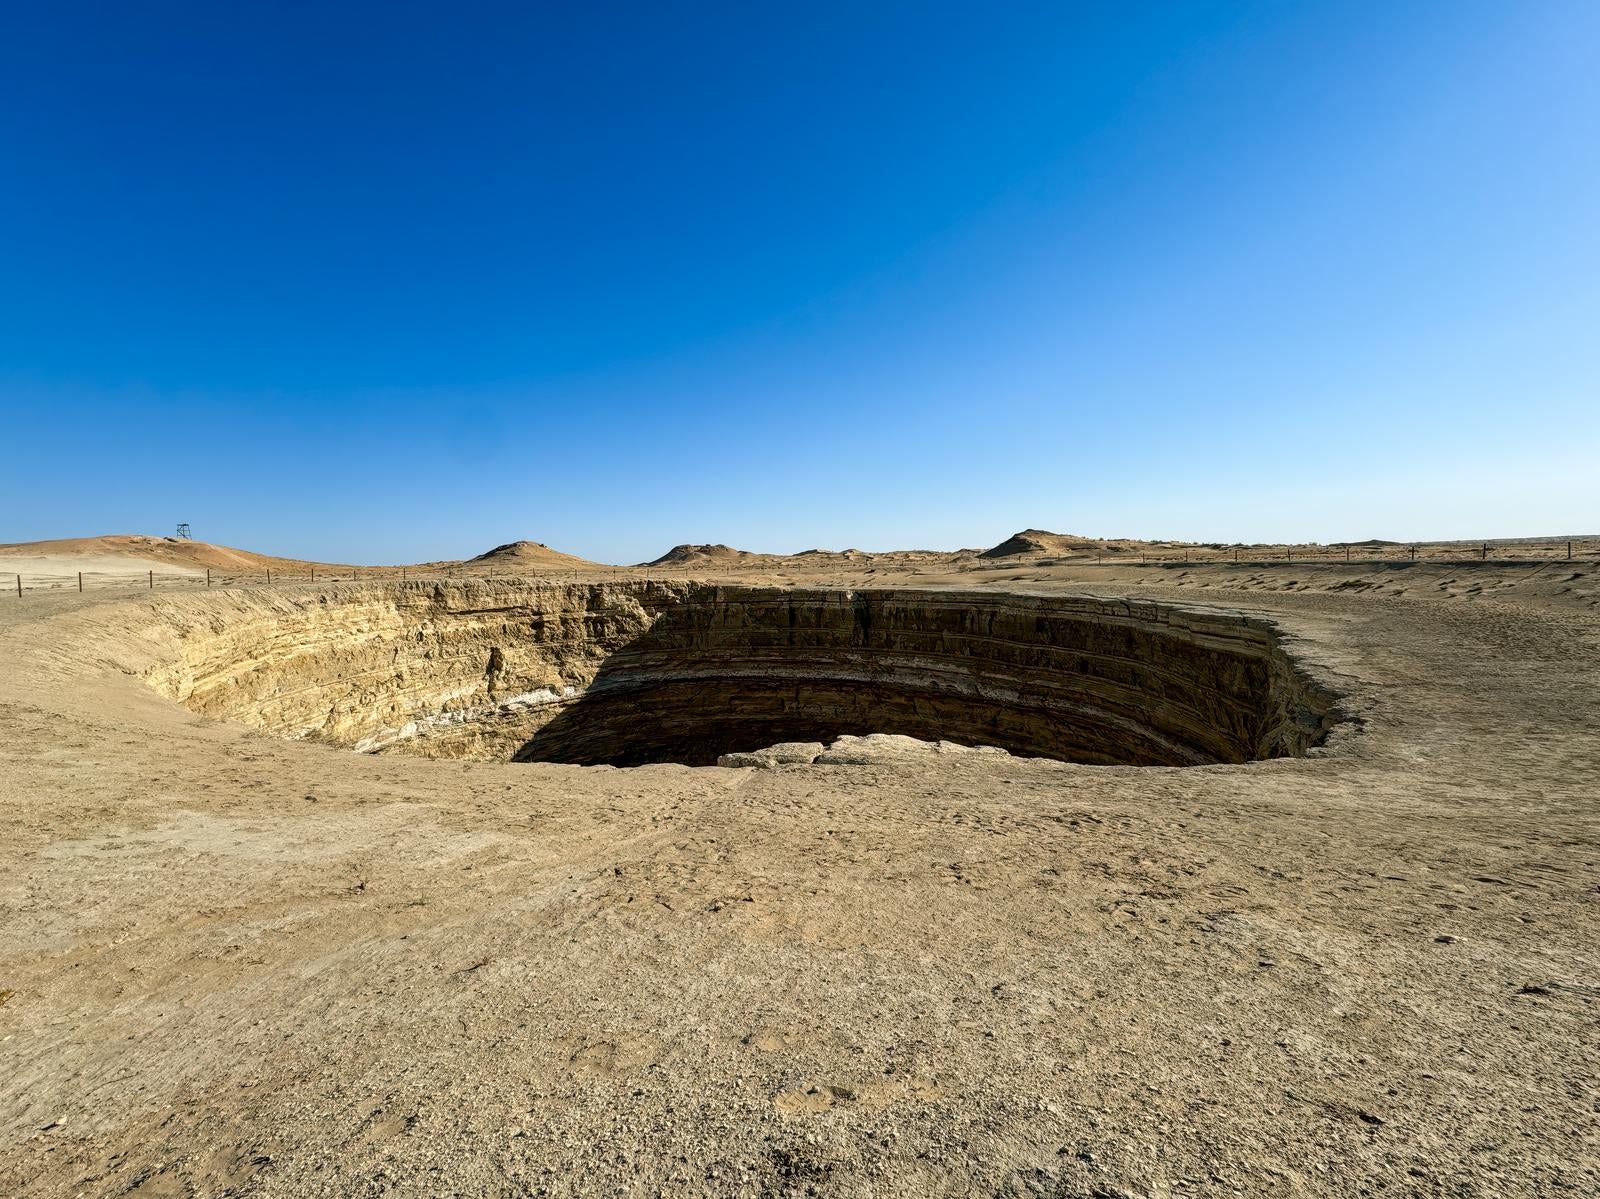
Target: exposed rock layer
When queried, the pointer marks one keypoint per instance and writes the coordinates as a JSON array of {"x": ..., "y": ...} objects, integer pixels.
[{"x": 634, "y": 672}]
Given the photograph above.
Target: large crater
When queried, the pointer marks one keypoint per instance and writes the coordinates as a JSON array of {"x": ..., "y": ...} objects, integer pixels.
[{"x": 629, "y": 673}]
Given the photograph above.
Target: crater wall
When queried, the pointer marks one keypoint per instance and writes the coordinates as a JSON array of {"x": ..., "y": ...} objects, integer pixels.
[{"x": 631, "y": 672}]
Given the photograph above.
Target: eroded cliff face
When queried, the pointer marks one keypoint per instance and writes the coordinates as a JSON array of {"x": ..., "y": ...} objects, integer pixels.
[{"x": 634, "y": 672}]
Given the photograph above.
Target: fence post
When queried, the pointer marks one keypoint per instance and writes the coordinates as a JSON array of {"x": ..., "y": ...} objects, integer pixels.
[
  {"x": 1485, "y": 551},
  {"x": 19, "y": 586},
  {"x": 1569, "y": 551},
  {"x": 1347, "y": 553},
  {"x": 80, "y": 582},
  {"x": 152, "y": 580},
  {"x": 269, "y": 576}
]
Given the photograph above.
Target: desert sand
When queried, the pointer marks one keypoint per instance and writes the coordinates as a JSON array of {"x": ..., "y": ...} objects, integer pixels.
[{"x": 238, "y": 958}]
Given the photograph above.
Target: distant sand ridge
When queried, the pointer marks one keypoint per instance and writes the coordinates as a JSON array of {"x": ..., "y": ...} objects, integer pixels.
[{"x": 124, "y": 560}]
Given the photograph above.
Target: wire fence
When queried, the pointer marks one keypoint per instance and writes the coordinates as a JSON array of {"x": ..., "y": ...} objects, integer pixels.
[
  {"x": 201, "y": 579},
  {"x": 1455, "y": 554}
]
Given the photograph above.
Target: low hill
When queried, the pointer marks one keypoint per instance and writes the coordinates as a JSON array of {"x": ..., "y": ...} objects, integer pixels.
[
  {"x": 528, "y": 553},
  {"x": 1040, "y": 541},
  {"x": 702, "y": 555}
]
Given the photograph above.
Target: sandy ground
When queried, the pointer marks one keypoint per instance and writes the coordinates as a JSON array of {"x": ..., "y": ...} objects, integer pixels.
[
  {"x": 234, "y": 965},
  {"x": 61, "y": 570}
]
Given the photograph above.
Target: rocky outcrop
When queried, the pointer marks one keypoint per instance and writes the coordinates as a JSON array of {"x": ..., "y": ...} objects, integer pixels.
[
  {"x": 633, "y": 672},
  {"x": 788, "y": 753}
]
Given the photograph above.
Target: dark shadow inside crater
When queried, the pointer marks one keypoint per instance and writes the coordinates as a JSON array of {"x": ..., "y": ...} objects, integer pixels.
[{"x": 1084, "y": 681}]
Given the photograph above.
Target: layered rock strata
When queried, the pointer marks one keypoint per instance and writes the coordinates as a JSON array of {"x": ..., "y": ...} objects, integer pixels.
[{"x": 632, "y": 672}]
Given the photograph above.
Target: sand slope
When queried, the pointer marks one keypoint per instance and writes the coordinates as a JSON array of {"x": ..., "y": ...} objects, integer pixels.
[{"x": 131, "y": 554}]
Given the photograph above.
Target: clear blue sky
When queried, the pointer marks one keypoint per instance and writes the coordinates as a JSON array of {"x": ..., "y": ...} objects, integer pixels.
[{"x": 398, "y": 281}]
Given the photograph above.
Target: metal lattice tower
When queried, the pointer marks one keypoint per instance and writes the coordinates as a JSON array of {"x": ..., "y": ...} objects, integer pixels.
[{"x": 183, "y": 531}]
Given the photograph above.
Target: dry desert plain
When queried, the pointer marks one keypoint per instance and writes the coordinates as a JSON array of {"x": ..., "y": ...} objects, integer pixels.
[{"x": 238, "y": 958}]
